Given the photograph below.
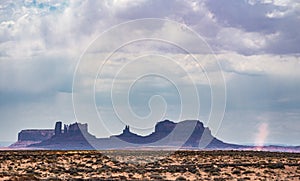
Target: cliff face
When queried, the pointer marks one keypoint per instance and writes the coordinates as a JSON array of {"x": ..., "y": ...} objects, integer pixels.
[
  {"x": 32, "y": 136},
  {"x": 35, "y": 134}
]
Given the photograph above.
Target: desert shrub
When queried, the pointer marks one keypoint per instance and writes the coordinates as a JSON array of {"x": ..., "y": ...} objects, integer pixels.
[
  {"x": 236, "y": 172},
  {"x": 29, "y": 171},
  {"x": 174, "y": 169},
  {"x": 180, "y": 178},
  {"x": 140, "y": 171},
  {"x": 26, "y": 177},
  {"x": 90, "y": 161},
  {"x": 192, "y": 169},
  {"x": 4, "y": 174},
  {"x": 156, "y": 176},
  {"x": 80, "y": 165},
  {"x": 278, "y": 165},
  {"x": 227, "y": 174},
  {"x": 219, "y": 179},
  {"x": 115, "y": 170},
  {"x": 53, "y": 179},
  {"x": 212, "y": 169},
  {"x": 87, "y": 156},
  {"x": 268, "y": 171},
  {"x": 248, "y": 172},
  {"x": 215, "y": 173},
  {"x": 72, "y": 171},
  {"x": 106, "y": 167},
  {"x": 81, "y": 169},
  {"x": 55, "y": 171},
  {"x": 244, "y": 179}
]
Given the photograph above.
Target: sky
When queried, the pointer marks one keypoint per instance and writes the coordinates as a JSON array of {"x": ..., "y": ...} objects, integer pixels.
[{"x": 234, "y": 65}]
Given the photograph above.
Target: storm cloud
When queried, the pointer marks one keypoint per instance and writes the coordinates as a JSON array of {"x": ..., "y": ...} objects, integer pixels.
[{"x": 255, "y": 42}]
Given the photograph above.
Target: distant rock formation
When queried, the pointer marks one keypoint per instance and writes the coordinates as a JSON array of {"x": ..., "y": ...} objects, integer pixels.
[
  {"x": 35, "y": 134},
  {"x": 57, "y": 129},
  {"x": 31, "y": 136},
  {"x": 189, "y": 134},
  {"x": 185, "y": 134},
  {"x": 73, "y": 136}
]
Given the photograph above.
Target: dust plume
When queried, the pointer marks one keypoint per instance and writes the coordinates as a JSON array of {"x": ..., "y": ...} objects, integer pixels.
[{"x": 262, "y": 134}]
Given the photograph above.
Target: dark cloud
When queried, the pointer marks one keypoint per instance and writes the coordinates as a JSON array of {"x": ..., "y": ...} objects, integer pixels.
[{"x": 254, "y": 18}]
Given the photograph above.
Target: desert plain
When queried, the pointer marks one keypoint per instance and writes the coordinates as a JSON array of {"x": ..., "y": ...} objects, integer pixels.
[{"x": 148, "y": 165}]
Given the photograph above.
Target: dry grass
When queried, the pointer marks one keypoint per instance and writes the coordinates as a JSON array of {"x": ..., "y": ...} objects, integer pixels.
[{"x": 149, "y": 165}]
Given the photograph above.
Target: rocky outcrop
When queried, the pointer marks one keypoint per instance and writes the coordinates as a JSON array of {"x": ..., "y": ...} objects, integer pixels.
[
  {"x": 57, "y": 129},
  {"x": 188, "y": 134},
  {"x": 32, "y": 136},
  {"x": 35, "y": 134},
  {"x": 73, "y": 136}
]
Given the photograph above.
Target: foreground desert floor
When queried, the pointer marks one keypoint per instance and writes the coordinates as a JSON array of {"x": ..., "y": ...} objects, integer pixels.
[{"x": 149, "y": 165}]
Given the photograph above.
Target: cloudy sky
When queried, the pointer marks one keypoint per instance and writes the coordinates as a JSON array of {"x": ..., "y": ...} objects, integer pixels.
[{"x": 232, "y": 64}]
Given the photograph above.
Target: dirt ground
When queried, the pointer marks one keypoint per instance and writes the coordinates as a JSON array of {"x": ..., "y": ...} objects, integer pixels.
[{"x": 149, "y": 165}]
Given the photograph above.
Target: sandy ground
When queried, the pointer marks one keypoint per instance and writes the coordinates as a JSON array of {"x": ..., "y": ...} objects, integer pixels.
[{"x": 149, "y": 165}]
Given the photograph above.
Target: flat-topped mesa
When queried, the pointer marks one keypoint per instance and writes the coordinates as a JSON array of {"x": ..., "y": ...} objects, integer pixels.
[
  {"x": 35, "y": 134},
  {"x": 191, "y": 133},
  {"x": 165, "y": 126},
  {"x": 30, "y": 136}
]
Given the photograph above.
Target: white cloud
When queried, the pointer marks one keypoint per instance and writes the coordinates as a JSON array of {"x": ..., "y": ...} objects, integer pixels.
[
  {"x": 269, "y": 65},
  {"x": 275, "y": 14},
  {"x": 237, "y": 40}
]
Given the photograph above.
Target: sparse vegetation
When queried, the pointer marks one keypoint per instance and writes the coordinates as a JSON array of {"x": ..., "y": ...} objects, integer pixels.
[
  {"x": 149, "y": 165},
  {"x": 236, "y": 171}
]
